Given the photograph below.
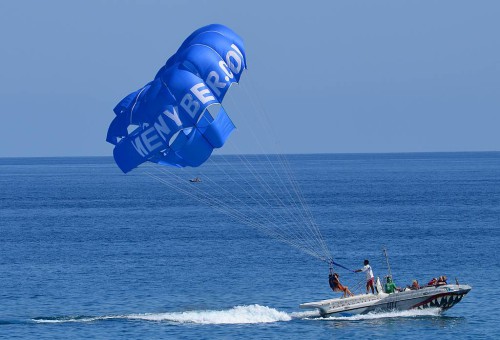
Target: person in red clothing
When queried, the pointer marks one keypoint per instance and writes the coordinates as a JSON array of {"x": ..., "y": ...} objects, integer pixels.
[{"x": 433, "y": 282}]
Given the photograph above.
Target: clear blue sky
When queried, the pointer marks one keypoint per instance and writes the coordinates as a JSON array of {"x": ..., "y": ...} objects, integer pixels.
[{"x": 334, "y": 76}]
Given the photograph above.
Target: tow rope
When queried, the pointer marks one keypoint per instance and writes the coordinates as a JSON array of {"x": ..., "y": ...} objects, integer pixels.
[{"x": 332, "y": 263}]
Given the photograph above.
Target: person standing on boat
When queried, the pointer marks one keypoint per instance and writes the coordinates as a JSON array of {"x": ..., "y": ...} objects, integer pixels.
[{"x": 369, "y": 276}]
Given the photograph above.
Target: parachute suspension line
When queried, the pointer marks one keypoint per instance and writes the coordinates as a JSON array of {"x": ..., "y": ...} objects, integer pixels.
[
  {"x": 272, "y": 221},
  {"x": 208, "y": 200},
  {"x": 285, "y": 165},
  {"x": 223, "y": 207},
  {"x": 212, "y": 201},
  {"x": 358, "y": 288},
  {"x": 289, "y": 212},
  {"x": 282, "y": 227},
  {"x": 314, "y": 226},
  {"x": 294, "y": 232},
  {"x": 296, "y": 190},
  {"x": 300, "y": 208},
  {"x": 294, "y": 211},
  {"x": 300, "y": 223},
  {"x": 235, "y": 214},
  {"x": 307, "y": 216},
  {"x": 285, "y": 225}
]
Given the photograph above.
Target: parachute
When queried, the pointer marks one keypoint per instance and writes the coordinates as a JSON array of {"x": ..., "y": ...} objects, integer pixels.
[
  {"x": 178, "y": 120},
  {"x": 169, "y": 117}
]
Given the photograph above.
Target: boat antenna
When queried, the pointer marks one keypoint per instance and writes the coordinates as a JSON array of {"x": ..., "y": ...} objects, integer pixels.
[{"x": 384, "y": 250}]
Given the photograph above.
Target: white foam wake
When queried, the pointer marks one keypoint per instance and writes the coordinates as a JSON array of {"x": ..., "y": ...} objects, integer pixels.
[
  {"x": 252, "y": 314},
  {"x": 395, "y": 314},
  {"x": 305, "y": 315},
  {"x": 237, "y": 315}
]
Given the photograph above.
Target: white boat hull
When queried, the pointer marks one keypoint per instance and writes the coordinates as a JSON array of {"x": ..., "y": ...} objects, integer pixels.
[{"x": 442, "y": 297}]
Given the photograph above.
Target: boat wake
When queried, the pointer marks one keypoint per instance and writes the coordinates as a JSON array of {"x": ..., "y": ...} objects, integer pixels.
[
  {"x": 386, "y": 315},
  {"x": 251, "y": 314}
]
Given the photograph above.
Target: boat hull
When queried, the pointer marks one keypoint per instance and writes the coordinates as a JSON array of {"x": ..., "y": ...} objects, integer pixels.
[{"x": 441, "y": 297}]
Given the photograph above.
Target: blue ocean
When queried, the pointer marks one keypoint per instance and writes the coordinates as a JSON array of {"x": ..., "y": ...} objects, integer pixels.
[{"x": 87, "y": 252}]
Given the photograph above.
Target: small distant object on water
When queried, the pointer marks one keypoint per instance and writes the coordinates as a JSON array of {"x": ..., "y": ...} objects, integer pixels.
[{"x": 195, "y": 180}]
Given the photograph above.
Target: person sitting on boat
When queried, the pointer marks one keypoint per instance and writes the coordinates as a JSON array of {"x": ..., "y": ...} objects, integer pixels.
[
  {"x": 333, "y": 280},
  {"x": 441, "y": 281},
  {"x": 433, "y": 282},
  {"x": 415, "y": 285},
  {"x": 369, "y": 276},
  {"x": 390, "y": 286}
]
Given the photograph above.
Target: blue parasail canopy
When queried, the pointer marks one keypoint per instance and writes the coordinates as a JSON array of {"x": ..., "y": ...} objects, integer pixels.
[{"x": 168, "y": 118}]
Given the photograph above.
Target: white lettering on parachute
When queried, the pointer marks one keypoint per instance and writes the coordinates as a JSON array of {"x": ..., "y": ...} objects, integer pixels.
[
  {"x": 162, "y": 128},
  {"x": 214, "y": 83},
  {"x": 201, "y": 92},
  {"x": 199, "y": 95},
  {"x": 190, "y": 105},
  {"x": 148, "y": 137},
  {"x": 233, "y": 59},
  {"x": 141, "y": 150},
  {"x": 174, "y": 115}
]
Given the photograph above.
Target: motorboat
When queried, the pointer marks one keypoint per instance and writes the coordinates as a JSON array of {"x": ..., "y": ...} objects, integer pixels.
[
  {"x": 442, "y": 297},
  {"x": 195, "y": 180}
]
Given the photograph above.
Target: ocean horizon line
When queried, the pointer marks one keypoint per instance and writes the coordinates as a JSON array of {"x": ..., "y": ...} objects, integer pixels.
[{"x": 285, "y": 153}]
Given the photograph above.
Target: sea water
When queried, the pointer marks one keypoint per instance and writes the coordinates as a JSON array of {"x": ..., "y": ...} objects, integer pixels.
[{"x": 88, "y": 252}]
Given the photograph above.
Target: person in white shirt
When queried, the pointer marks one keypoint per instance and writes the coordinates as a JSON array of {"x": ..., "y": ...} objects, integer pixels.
[{"x": 369, "y": 276}]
